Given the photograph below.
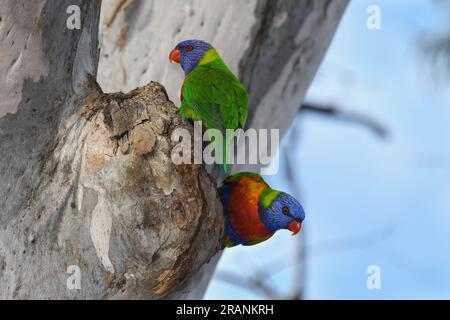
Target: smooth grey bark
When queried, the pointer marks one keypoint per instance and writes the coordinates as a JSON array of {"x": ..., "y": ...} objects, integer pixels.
[{"x": 87, "y": 178}]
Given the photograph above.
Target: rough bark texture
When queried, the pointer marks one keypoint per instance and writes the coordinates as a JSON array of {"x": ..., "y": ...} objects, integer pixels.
[
  {"x": 87, "y": 178},
  {"x": 153, "y": 223}
]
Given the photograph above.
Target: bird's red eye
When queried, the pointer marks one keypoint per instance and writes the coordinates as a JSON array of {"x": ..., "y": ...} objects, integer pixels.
[
  {"x": 188, "y": 48},
  {"x": 285, "y": 210}
]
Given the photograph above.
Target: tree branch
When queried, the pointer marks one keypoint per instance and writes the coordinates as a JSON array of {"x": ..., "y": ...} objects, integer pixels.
[
  {"x": 259, "y": 277},
  {"x": 353, "y": 117}
]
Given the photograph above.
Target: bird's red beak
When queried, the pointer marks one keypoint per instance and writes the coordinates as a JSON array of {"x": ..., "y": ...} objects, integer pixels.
[
  {"x": 174, "y": 56},
  {"x": 295, "y": 227}
]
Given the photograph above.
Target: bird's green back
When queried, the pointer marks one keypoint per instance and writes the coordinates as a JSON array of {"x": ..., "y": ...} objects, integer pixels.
[{"x": 213, "y": 94}]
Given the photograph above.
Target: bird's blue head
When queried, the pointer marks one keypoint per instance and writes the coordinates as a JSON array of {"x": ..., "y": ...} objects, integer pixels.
[
  {"x": 188, "y": 53},
  {"x": 279, "y": 210}
]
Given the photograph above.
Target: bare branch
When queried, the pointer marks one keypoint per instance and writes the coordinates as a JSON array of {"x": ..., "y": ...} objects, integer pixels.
[
  {"x": 253, "y": 283},
  {"x": 350, "y": 116},
  {"x": 258, "y": 280}
]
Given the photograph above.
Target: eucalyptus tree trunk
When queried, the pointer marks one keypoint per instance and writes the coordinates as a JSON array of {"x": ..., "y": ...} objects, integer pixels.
[{"x": 91, "y": 204}]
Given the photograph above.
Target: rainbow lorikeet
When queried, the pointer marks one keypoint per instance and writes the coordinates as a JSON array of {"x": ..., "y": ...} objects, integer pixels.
[
  {"x": 210, "y": 92},
  {"x": 254, "y": 211}
]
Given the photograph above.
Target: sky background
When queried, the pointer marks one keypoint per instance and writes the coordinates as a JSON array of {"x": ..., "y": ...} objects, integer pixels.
[{"x": 368, "y": 201}]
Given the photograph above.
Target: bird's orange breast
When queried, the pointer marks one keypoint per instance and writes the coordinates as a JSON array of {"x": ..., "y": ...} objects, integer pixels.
[{"x": 243, "y": 207}]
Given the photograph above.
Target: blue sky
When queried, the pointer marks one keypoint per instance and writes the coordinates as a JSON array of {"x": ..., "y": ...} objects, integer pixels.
[{"x": 389, "y": 198}]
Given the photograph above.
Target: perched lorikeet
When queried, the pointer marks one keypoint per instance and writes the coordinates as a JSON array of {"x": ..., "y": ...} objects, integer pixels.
[
  {"x": 210, "y": 92},
  {"x": 254, "y": 211}
]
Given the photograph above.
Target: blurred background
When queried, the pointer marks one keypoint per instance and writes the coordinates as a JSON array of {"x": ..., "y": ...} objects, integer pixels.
[{"x": 368, "y": 156}]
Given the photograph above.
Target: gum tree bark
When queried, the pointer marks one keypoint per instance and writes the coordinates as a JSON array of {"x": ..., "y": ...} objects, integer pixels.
[
  {"x": 88, "y": 184},
  {"x": 275, "y": 46},
  {"x": 87, "y": 179}
]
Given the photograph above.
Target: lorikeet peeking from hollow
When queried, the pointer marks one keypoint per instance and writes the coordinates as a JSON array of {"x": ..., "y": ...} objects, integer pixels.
[
  {"x": 254, "y": 211},
  {"x": 210, "y": 93}
]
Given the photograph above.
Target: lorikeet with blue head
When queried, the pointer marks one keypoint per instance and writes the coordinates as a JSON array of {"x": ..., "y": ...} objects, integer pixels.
[
  {"x": 254, "y": 211},
  {"x": 211, "y": 93}
]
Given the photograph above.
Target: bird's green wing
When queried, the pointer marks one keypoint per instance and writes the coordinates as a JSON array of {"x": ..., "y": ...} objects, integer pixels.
[{"x": 216, "y": 95}]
